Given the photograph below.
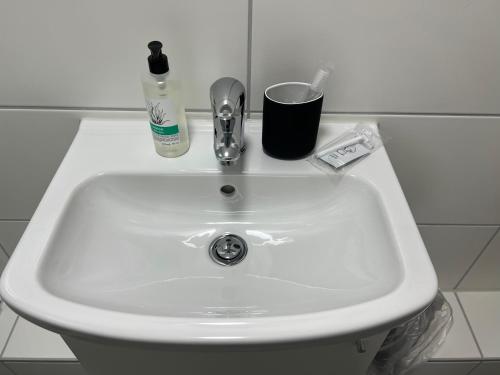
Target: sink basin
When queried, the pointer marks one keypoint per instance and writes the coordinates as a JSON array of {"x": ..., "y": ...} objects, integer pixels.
[
  {"x": 118, "y": 250},
  {"x": 124, "y": 240}
]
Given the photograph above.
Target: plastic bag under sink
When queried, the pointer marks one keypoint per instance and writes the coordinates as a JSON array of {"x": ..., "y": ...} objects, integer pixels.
[{"x": 415, "y": 341}]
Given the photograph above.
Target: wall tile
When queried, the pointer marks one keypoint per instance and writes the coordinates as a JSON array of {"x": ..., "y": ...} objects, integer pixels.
[
  {"x": 487, "y": 368},
  {"x": 391, "y": 56},
  {"x": 46, "y": 368},
  {"x": 483, "y": 311},
  {"x": 30, "y": 342},
  {"x": 444, "y": 368},
  {"x": 447, "y": 166},
  {"x": 32, "y": 144},
  {"x": 453, "y": 248},
  {"x": 3, "y": 260},
  {"x": 485, "y": 274},
  {"x": 10, "y": 233},
  {"x": 91, "y": 53}
]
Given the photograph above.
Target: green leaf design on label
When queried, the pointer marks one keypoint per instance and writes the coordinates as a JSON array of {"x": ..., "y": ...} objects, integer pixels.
[{"x": 165, "y": 130}]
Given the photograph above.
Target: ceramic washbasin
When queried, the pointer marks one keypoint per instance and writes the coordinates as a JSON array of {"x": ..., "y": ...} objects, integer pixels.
[
  {"x": 118, "y": 248},
  {"x": 139, "y": 245}
]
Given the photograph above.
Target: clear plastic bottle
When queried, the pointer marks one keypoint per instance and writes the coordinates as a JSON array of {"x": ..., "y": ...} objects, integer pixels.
[{"x": 166, "y": 111}]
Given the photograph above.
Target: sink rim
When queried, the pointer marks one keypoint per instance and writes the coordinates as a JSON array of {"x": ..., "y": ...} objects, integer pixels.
[{"x": 22, "y": 290}]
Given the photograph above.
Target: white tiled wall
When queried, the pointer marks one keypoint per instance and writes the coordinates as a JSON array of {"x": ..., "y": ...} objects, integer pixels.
[
  {"x": 3, "y": 259},
  {"x": 447, "y": 166},
  {"x": 453, "y": 248},
  {"x": 409, "y": 58},
  {"x": 91, "y": 53},
  {"x": 32, "y": 144},
  {"x": 10, "y": 233},
  {"x": 390, "y": 55},
  {"x": 485, "y": 274}
]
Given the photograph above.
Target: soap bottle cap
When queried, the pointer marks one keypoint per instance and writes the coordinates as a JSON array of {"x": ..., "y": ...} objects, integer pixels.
[{"x": 158, "y": 62}]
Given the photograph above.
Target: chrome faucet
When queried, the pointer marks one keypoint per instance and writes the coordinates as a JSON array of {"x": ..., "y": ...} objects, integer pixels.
[{"x": 227, "y": 97}]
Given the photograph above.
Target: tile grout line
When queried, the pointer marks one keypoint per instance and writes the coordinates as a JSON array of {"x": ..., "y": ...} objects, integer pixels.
[
  {"x": 474, "y": 368},
  {"x": 477, "y": 258},
  {"x": 195, "y": 110},
  {"x": 469, "y": 324},
  {"x": 8, "y": 368},
  {"x": 249, "y": 55},
  {"x": 407, "y": 114},
  {"x": 8, "y": 337},
  {"x": 2, "y": 249},
  {"x": 95, "y": 109}
]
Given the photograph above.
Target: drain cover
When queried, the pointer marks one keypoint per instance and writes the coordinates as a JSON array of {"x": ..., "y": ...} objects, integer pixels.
[{"x": 228, "y": 249}]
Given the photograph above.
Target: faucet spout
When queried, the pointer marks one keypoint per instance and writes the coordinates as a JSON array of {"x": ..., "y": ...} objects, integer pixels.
[{"x": 227, "y": 97}]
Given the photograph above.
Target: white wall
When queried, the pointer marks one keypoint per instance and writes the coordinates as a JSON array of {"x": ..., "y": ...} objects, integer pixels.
[
  {"x": 423, "y": 56},
  {"x": 428, "y": 71},
  {"x": 74, "y": 53}
]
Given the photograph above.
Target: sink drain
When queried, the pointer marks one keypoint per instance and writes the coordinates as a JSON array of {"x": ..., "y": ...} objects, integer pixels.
[
  {"x": 228, "y": 190},
  {"x": 228, "y": 249}
]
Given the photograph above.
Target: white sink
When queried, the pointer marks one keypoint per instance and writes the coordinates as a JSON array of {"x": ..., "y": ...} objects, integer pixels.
[
  {"x": 125, "y": 240},
  {"x": 118, "y": 248}
]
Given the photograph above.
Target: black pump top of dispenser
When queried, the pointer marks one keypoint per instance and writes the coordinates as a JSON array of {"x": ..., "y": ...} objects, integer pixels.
[{"x": 158, "y": 62}]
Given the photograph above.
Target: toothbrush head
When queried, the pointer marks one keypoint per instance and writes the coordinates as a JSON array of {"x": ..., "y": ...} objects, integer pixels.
[
  {"x": 367, "y": 136},
  {"x": 321, "y": 76}
]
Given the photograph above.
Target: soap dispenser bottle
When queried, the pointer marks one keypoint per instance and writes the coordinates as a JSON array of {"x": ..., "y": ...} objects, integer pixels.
[{"x": 167, "y": 116}]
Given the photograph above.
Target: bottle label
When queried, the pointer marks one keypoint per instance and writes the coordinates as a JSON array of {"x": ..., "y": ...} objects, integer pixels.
[{"x": 163, "y": 121}]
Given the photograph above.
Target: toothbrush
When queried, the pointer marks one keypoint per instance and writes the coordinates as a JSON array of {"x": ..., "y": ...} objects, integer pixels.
[
  {"x": 361, "y": 137},
  {"x": 319, "y": 81}
]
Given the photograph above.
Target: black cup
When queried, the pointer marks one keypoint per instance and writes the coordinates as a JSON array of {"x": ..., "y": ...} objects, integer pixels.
[{"x": 290, "y": 120}]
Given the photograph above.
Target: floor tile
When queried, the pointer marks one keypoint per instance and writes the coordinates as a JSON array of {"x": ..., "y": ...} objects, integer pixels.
[
  {"x": 4, "y": 370},
  {"x": 444, "y": 368},
  {"x": 30, "y": 342},
  {"x": 46, "y": 368},
  {"x": 459, "y": 344},
  {"x": 487, "y": 368},
  {"x": 7, "y": 320},
  {"x": 483, "y": 311}
]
